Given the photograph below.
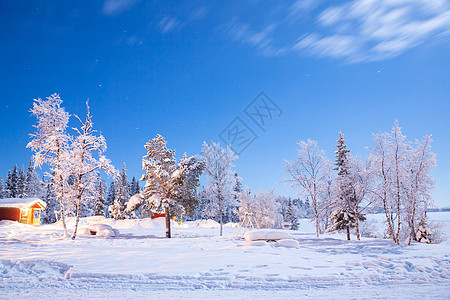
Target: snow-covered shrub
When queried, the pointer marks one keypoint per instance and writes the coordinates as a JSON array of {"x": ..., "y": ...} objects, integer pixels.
[
  {"x": 369, "y": 229},
  {"x": 423, "y": 233},
  {"x": 437, "y": 232}
]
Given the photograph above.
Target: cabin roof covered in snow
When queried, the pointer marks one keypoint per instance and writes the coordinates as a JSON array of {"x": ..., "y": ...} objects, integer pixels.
[{"x": 21, "y": 202}]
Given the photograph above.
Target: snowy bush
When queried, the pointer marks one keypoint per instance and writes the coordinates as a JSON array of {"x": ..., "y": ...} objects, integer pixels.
[{"x": 369, "y": 229}]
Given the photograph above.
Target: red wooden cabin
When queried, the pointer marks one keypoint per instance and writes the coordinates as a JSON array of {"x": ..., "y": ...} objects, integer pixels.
[{"x": 23, "y": 210}]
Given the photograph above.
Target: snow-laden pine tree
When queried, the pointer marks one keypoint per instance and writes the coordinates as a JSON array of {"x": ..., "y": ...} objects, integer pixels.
[
  {"x": 34, "y": 187},
  {"x": 169, "y": 185},
  {"x": 51, "y": 144},
  {"x": 122, "y": 195},
  {"x": 346, "y": 212},
  {"x": 218, "y": 169},
  {"x": 86, "y": 159},
  {"x": 307, "y": 174},
  {"x": 291, "y": 215},
  {"x": 12, "y": 181},
  {"x": 423, "y": 234},
  {"x": 134, "y": 187},
  {"x": 229, "y": 215},
  {"x": 3, "y": 193},
  {"x": 8, "y": 185},
  {"x": 99, "y": 197},
  {"x": 49, "y": 214},
  {"x": 20, "y": 193},
  {"x": 110, "y": 196}
]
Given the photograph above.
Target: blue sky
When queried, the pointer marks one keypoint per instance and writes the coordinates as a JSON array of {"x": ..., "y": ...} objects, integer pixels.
[{"x": 187, "y": 70}]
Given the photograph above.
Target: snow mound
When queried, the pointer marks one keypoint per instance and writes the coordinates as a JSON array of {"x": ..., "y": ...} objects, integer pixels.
[
  {"x": 254, "y": 243},
  {"x": 231, "y": 224},
  {"x": 99, "y": 230},
  {"x": 33, "y": 269},
  {"x": 267, "y": 234},
  {"x": 288, "y": 243}
]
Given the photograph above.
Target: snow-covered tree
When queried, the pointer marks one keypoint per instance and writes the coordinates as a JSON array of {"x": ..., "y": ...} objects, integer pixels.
[
  {"x": 423, "y": 233},
  {"x": 50, "y": 143},
  {"x": 218, "y": 169},
  {"x": 267, "y": 210},
  {"x": 134, "y": 187},
  {"x": 419, "y": 184},
  {"x": 2, "y": 189},
  {"x": 12, "y": 183},
  {"x": 247, "y": 204},
  {"x": 49, "y": 214},
  {"x": 348, "y": 191},
  {"x": 307, "y": 175},
  {"x": 86, "y": 158},
  {"x": 291, "y": 215},
  {"x": 33, "y": 185},
  {"x": 8, "y": 186},
  {"x": 122, "y": 195},
  {"x": 403, "y": 182},
  {"x": 169, "y": 185},
  {"x": 20, "y": 187},
  {"x": 110, "y": 196},
  {"x": 99, "y": 197}
]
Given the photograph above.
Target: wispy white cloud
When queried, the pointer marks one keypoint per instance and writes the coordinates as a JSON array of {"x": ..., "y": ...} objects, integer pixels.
[
  {"x": 262, "y": 39},
  {"x": 355, "y": 31},
  {"x": 169, "y": 23},
  {"x": 379, "y": 29},
  {"x": 199, "y": 13},
  {"x": 116, "y": 7}
]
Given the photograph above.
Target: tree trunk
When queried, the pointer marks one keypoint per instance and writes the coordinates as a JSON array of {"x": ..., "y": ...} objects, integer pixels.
[
  {"x": 74, "y": 235},
  {"x": 357, "y": 226},
  {"x": 348, "y": 233},
  {"x": 166, "y": 210},
  {"x": 220, "y": 214},
  {"x": 316, "y": 221}
]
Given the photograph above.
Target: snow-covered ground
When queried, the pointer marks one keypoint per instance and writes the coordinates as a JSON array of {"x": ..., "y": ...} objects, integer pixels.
[{"x": 196, "y": 263}]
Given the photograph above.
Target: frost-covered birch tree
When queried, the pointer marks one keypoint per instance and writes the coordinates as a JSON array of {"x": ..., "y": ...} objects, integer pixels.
[
  {"x": 50, "y": 144},
  {"x": 218, "y": 169},
  {"x": 306, "y": 174},
  {"x": 403, "y": 181},
  {"x": 86, "y": 158},
  {"x": 420, "y": 184}
]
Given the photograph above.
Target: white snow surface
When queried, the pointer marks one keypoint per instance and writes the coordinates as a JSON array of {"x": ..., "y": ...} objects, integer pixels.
[
  {"x": 197, "y": 263},
  {"x": 267, "y": 234}
]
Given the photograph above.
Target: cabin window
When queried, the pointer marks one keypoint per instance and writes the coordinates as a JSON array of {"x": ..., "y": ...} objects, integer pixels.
[{"x": 37, "y": 214}]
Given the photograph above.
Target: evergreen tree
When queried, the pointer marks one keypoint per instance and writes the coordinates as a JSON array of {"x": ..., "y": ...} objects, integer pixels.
[
  {"x": 344, "y": 214},
  {"x": 49, "y": 214},
  {"x": 2, "y": 190},
  {"x": 134, "y": 187},
  {"x": 291, "y": 215},
  {"x": 170, "y": 185},
  {"x": 122, "y": 196},
  {"x": 110, "y": 196},
  {"x": 99, "y": 197},
  {"x": 21, "y": 178},
  {"x": 33, "y": 185},
  {"x": 11, "y": 183}
]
